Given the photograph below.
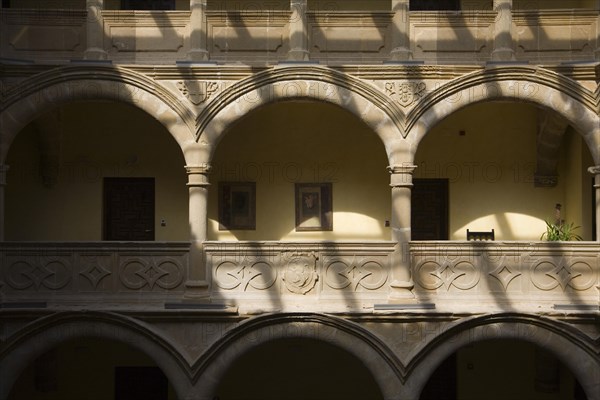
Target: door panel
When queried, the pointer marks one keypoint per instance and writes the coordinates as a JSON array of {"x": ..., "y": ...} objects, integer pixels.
[
  {"x": 429, "y": 210},
  {"x": 129, "y": 209}
]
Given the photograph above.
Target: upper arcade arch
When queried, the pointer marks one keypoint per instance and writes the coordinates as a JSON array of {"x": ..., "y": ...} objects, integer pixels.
[
  {"x": 301, "y": 83},
  {"x": 49, "y": 332},
  {"x": 577, "y": 351},
  {"x": 43, "y": 92},
  {"x": 538, "y": 86}
]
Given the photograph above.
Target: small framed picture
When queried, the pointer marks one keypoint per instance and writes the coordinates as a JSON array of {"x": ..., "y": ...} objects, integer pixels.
[
  {"x": 237, "y": 206},
  {"x": 314, "y": 207}
]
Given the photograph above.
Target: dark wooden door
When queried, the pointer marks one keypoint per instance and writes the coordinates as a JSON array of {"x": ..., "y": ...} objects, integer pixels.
[
  {"x": 129, "y": 209},
  {"x": 140, "y": 383},
  {"x": 429, "y": 210}
]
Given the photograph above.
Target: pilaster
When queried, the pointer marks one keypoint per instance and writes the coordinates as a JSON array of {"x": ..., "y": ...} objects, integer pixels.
[
  {"x": 595, "y": 170},
  {"x": 298, "y": 31},
  {"x": 3, "y": 171},
  {"x": 401, "y": 182},
  {"x": 503, "y": 40},
  {"x": 198, "y": 41},
  {"x": 95, "y": 31},
  {"x": 197, "y": 285},
  {"x": 400, "y": 31}
]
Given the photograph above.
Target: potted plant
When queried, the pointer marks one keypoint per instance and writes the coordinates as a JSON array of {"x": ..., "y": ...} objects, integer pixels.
[{"x": 559, "y": 230}]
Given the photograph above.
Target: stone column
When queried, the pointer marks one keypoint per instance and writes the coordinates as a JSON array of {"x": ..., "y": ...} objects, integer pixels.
[
  {"x": 503, "y": 41},
  {"x": 400, "y": 31},
  {"x": 596, "y": 172},
  {"x": 198, "y": 40},
  {"x": 95, "y": 31},
  {"x": 298, "y": 31},
  {"x": 197, "y": 285},
  {"x": 401, "y": 184},
  {"x": 3, "y": 171}
]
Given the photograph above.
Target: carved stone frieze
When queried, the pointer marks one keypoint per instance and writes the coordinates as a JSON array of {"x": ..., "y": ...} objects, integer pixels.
[
  {"x": 137, "y": 273},
  {"x": 245, "y": 275},
  {"x": 461, "y": 274},
  {"x": 355, "y": 274},
  {"x": 39, "y": 273},
  {"x": 549, "y": 274}
]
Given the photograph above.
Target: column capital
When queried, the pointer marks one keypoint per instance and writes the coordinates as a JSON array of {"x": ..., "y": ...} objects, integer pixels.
[
  {"x": 401, "y": 175},
  {"x": 595, "y": 170},
  {"x": 198, "y": 175},
  {"x": 3, "y": 170}
]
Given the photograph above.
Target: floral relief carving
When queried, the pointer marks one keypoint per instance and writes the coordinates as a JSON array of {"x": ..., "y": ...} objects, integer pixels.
[
  {"x": 432, "y": 275},
  {"x": 368, "y": 274},
  {"x": 53, "y": 274},
  {"x": 137, "y": 273},
  {"x": 548, "y": 275},
  {"x": 197, "y": 92},
  {"x": 259, "y": 275}
]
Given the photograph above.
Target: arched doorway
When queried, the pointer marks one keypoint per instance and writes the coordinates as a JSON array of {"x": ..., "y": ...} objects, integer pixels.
[
  {"x": 89, "y": 368},
  {"x": 298, "y": 368},
  {"x": 276, "y": 149},
  {"x": 61, "y": 166},
  {"x": 502, "y": 166},
  {"x": 502, "y": 369}
]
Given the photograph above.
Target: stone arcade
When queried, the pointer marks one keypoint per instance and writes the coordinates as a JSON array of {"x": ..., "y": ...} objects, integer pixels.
[{"x": 206, "y": 199}]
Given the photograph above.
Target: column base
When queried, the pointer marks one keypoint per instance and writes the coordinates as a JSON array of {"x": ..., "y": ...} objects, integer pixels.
[
  {"x": 95, "y": 53},
  {"x": 503, "y": 54},
  {"x": 401, "y": 292},
  {"x": 401, "y": 54},
  {"x": 198, "y": 55},
  {"x": 298, "y": 55},
  {"x": 197, "y": 290}
]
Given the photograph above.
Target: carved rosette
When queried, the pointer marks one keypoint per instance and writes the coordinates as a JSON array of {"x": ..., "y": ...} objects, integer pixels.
[{"x": 300, "y": 275}]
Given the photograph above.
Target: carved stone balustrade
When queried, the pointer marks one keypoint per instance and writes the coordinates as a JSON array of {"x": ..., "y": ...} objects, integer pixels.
[
  {"x": 92, "y": 275},
  {"x": 516, "y": 276},
  {"x": 325, "y": 276}
]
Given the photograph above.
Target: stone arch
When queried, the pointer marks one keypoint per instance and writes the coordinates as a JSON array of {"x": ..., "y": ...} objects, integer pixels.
[
  {"x": 386, "y": 369},
  {"x": 538, "y": 86},
  {"x": 46, "y": 333},
  {"x": 363, "y": 100},
  {"x": 577, "y": 351},
  {"x": 39, "y": 94}
]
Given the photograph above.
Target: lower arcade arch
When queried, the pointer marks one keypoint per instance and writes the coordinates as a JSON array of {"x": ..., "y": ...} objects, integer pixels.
[
  {"x": 109, "y": 341},
  {"x": 92, "y": 368},
  {"x": 312, "y": 338},
  {"x": 502, "y": 369},
  {"x": 543, "y": 349},
  {"x": 298, "y": 368}
]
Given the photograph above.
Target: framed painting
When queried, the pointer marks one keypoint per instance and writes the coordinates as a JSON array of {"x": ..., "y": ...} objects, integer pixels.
[
  {"x": 237, "y": 206},
  {"x": 314, "y": 207}
]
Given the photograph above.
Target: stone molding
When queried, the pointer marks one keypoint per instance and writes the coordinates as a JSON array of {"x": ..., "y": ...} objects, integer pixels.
[
  {"x": 198, "y": 175},
  {"x": 401, "y": 175}
]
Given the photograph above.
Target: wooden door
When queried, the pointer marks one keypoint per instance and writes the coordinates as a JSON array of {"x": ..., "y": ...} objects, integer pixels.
[
  {"x": 129, "y": 209},
  {"x": 429, "y": 210}
]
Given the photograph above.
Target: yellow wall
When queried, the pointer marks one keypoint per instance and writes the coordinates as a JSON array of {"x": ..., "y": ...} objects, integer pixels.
[
  {"x": 553, "y": 4},
  {"x": 285, "y": 143},
  {"x": 491, "y": 169},
  {"x": 98, "y": 140}
]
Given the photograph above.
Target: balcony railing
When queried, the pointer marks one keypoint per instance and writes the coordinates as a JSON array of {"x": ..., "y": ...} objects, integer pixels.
[
  {"x": 98, "y": 274},
  {"x": 318, "y": 276},
  {"x": 467, "y": 276}
]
